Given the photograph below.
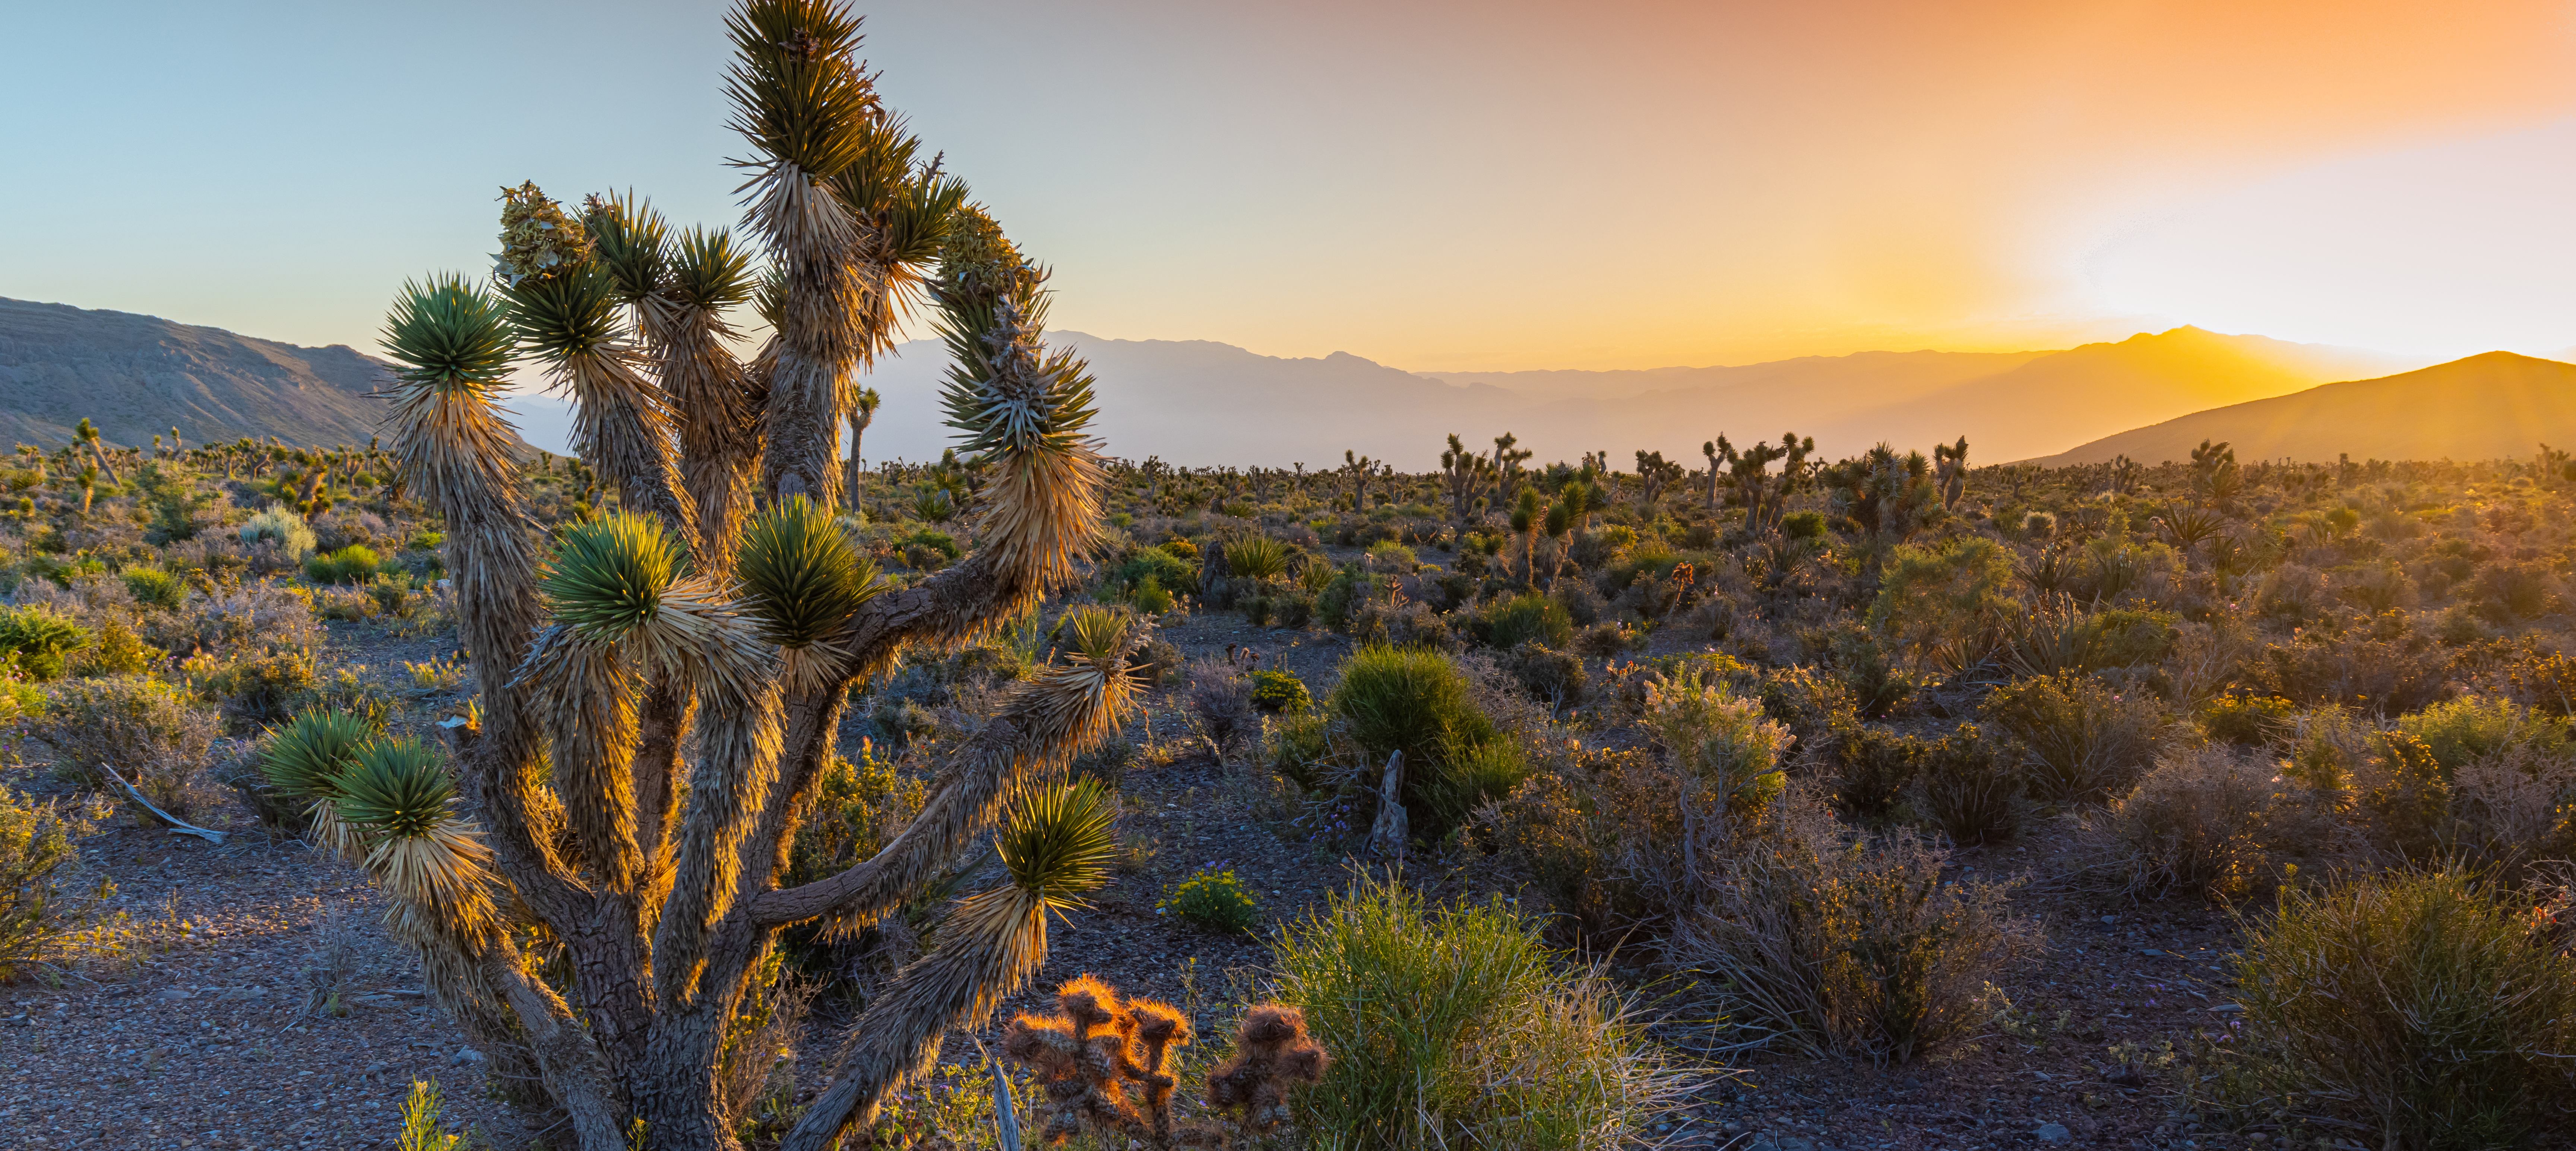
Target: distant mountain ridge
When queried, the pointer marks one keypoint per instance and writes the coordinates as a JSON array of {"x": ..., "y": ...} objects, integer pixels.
[
  {"x": 1202, "y": 403},
  {"x": 138, "y": 376},
  {"x": 2490, "y": 406}
]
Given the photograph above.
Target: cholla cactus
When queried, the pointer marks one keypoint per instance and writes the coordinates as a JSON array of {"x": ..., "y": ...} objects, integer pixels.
[
  {"x": 711, "y": 630},
  {"x": 1272, "y": 1052},
  {"x": 1106, "y": 1063}
]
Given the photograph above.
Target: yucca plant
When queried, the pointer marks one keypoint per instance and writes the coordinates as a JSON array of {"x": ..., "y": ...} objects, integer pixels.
[{"x": 724, "y": 611}]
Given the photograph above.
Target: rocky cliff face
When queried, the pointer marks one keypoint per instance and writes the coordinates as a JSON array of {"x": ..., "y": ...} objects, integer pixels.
[{"x": 139, "y": 376}]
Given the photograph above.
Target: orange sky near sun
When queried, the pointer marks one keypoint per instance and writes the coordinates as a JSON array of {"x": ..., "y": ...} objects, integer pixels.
[{"x": 1618, "y": 185}]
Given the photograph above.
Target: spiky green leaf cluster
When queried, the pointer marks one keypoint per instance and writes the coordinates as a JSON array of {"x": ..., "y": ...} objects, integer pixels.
[
  {"x": 910, "y": 203},
  {"x": 538, "y": 238},
  {"x": 708, "y": 271},
  {"x": 631, "y": 241},
  {"x": 609, "y": 574},
  {"x": 571, "y": 313},
  {"x": 396, "y": 788},
  {"x": 448, "y": 333},
  {"x": 799, "y": 572},
  {"x": 307, "y": 756},
  {"x": 1058, "y": 842},
  {"x": 1096, "y": 632},
  {"x": 798, "y": 93},
  {"x": 1004, "y": 391}
]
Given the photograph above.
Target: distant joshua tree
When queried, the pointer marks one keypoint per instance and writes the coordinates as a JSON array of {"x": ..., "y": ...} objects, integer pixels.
[
  {"x": 1950, "y": 471},
  {"x": 1765, "y": 496}
]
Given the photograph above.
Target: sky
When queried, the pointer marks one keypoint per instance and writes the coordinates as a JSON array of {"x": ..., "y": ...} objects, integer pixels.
[{"x": 1435, "y": 186}]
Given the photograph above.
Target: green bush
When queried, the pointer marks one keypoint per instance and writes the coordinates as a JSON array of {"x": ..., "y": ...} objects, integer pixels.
[
  {"x": 856, "y": 803},
  {"x": 1298, "y": 746},
  {"x": 1259, "y": 558},
  {"x": 1280, "y": 691},
  {"x": 1167, "y": 571},
  {"x": 355, "y": 563},
  {"x": 2421, "y": 1006},
  {"x": 36, "y": 857},
  {"x": 1149, "y": 597},
  {"x": 2087, "y": 740},
  {"x": 1417, "y": 702},
  {"x": 1525, "y": 618},
  {"x": 40, "y": 638},
  {"x": 1969, "y": 788},
  {"x": 2475, "y": 727},
  {"x": 2248, "y": 720},
  {"x": 1803, "y": 525},
  {"x": 1214, "y": 901},
  {"x": 155, "y": 587},
  {"x": 1457, "y": 1027},
  {"x": 264, "y": 689},
  {"x": 282, "y": 526}
]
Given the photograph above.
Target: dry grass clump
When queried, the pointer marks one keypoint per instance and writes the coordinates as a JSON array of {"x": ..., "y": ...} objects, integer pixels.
[
  {"x": 2211, "y": 819},
  {"x": 2423, "y": 1009},
  {"x": 1854, "y": 948}
]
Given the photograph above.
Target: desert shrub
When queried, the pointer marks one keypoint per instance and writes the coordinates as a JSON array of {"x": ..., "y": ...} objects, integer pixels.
[
  {"x": 282, "y": 527},
  {"x": 1299, "y": 748},
  {"x": 1219, "y": 700},
  {"x": 115, "y": 651},
  {"x": 1149, "y": 596},
  {"x": 1398, "y": 623},
  {"x": 1803, "y": 525},
  {"x": 1214, "y": 901},
  {"x": 1815, "y": 706},
  {"x": 2509, "y": 592},
  {"x": 37, "y": 860},
  {"x": 858, "y": 804},
  {"x": 2512, "y": 810},
  {"x": 231, "y": 621},
  {"x": 1861, "y": 950},
  {"x": 1525, "y": 618},
  {"x": 2087, "y": 740},
  {"x": 1256, "y": 557},
  {"x": 1950, "y": 594},
  {"x": 2211, "y": 820},
  {"x": 1393, "y": 556},
  {"x": 1458, "y": 1027},
  {"x": 40, "y": 638},
  {"x": 1720, "y": 739},
  {"x": 1280, "y": 691},
  {"x": 1970, "y": 787},
  {"x": 1165, "y": 570},
  {"x": 1865, "y": 667},
  {"x": 2422, "y": 1006},
  {"x": 2374, "y": 671},
  {"x": 2245, "y": 719},
  {"x": 353, "y": 564},
  {"x": 1550, "y": 676},
  {"x": 155, "y": 735},
  {"x": 1872, "y": 769},
  {"x": 155, "y": 588},
  {"x": 1470, "y": 778},
  {"x": 263, "y": 689},
  {"x": 2474, "y": 727}
]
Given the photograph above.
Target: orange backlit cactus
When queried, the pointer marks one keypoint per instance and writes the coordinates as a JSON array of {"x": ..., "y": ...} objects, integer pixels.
[{"x": 1106, "y": 1062}]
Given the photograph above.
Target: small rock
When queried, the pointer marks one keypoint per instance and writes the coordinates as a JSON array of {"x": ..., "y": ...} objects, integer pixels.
[
  {"x": 374, "y": 1068},
  {"x": 2053, "y": 1133},
  {"x": 173, "y": 994},
  {"x": 467, "y": 1057}
]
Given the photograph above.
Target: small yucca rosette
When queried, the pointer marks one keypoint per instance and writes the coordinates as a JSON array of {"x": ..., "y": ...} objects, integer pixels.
[
  {"x": 538, "y": 238},
  {"x": 305, "y": 758},
  {"x": 1058, "y": 840},
  {"x": 609, "y": 574},
  {"x": 396, "y": 787},
  {"x": 448, "y": 334},
  {"x": 800, "y": 574},
  {"x": 398, "y": 797}
]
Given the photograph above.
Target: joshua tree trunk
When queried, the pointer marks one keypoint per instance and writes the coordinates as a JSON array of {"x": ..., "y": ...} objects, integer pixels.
[{"x": 588, "y": 663}]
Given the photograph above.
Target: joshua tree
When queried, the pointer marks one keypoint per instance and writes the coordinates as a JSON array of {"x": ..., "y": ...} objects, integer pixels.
[
  {"x": 1463, "y": 473},
  {"x": 863, "y": 411},
  {"x": 1765, "y": 497},
  {"x": 1950, "y": 471},
  {"x": 1361, "y": 470},
  {"x": 2214, "y": 474},
  {"x": 1507, "y": 462},
  {"x": 1654, "y": 474},
  {"x": 1883, "y": 496},
  {"x": 87, "y": 436},
  {"x": 687, "y": 620}
]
